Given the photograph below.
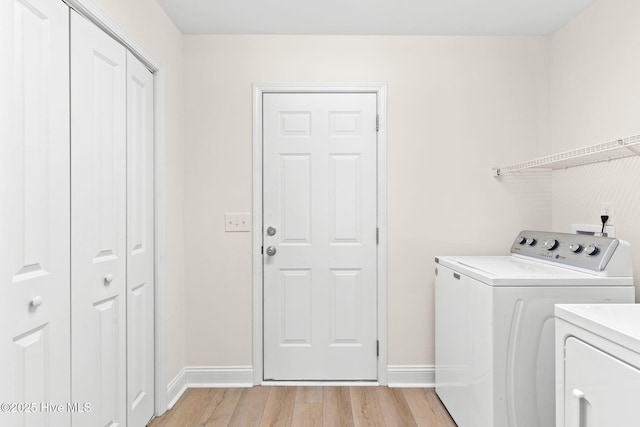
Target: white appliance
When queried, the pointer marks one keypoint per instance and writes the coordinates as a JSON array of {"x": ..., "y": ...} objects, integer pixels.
[
  {"x": 597, "y": 365},
  {"x": 495, "y": 322}
]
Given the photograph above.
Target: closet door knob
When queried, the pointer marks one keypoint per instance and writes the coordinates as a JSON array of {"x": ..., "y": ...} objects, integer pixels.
[
  {"x": 36, "y": 302},
  {"x": 108, "y": 279}
]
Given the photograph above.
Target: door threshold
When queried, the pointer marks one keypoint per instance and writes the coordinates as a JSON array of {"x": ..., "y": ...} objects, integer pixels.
[{"x": 327, "y": 383}]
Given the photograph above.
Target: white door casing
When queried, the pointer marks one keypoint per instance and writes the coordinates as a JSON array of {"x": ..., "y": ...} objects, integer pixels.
[
  {"x": 34, "y": 213},
  {"x": 98, "y": 226},
  {"x": 319, "y": 193},
  {"x": 140, "y": 244}
]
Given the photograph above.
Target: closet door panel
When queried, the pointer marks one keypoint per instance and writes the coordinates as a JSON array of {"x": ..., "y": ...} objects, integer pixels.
[
  {"x": 140, "y": 254},
  {"x": 34, "y": 211},
  {"x": 98, "y": 227}
]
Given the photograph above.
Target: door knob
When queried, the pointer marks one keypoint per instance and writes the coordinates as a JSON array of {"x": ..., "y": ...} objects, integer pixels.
[
  {"x": 271, "y": 231},
  {"x": 36, "y": 302},
  {"x": 271, "y": 250},
  {"x": 108, "y": 279}
]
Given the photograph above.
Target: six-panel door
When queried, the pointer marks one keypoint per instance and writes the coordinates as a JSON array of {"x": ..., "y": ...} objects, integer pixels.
[{"x": 320, "y": 198}]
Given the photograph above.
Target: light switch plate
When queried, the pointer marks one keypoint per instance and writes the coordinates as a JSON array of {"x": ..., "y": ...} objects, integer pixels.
[{"x": 237, "y": 222}]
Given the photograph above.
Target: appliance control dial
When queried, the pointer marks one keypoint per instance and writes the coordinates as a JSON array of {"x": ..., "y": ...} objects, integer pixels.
[
  {"x": 551, "y": 244},
  {"x": 575, "y": 247},
  {"x": 521, "y": 240},
  {"x": 531, "y": 241},
  {"x": 591, "y": 250}
]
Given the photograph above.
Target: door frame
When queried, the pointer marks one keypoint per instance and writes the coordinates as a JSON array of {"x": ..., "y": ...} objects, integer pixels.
[
  {"x": 95, "y": 14},
  {"x": 380, "y": 89}
]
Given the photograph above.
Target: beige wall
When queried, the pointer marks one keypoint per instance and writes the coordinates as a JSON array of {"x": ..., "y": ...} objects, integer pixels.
[
  {"x": 145, "y": 21},
  {"x": 456, "y": 107},
  {"x": 595, "y": 97}
]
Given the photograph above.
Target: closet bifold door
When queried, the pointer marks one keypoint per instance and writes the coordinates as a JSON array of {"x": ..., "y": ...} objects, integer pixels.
[
  {"x": 140, "y": 244},
  {"x": 98, "y": 225},
  {"x": 34, "y": 212}
]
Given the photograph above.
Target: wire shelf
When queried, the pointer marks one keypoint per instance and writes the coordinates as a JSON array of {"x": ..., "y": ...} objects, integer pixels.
[{"x": 612, "y": 150}]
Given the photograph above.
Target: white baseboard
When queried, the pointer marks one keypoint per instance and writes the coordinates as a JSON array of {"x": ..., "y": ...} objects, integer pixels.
[
  {"x": 176, "y": 388},
  {"x": 242, "y": 376},
  {"x": 411, "y": 375},
  {"x": 219, "y": 376},
  {"x": 320, "y": 383},
  {"x": 208, "y": 377}
]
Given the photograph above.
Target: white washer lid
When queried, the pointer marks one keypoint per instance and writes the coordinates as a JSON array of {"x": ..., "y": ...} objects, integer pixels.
[
  {"x": 510, "y": 267},
  {"x": 514, "y": 271}
]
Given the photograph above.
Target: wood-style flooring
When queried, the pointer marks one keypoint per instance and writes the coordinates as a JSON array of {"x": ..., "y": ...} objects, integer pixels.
[{"x": 307, "y": 407}]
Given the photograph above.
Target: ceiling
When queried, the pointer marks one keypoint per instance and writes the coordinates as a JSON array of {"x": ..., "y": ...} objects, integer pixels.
[{"x": 373, "y": 17}]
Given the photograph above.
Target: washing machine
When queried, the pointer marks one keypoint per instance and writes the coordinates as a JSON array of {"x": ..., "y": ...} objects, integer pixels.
[
  {"x": 597, "y": 365},
  {"x": 494, "y": 322}
]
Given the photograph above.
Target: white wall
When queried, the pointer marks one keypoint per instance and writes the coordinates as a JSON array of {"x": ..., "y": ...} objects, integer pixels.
[
  {"x": 595, "y": 97},
  {"x": 456, "y": 107},
  {"x": 148, "y": 24}
]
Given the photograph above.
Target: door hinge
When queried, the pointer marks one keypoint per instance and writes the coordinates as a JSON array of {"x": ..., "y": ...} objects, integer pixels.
[
  {"x": 377, "y": 122},
  {"x": 377, "y": 235},
  {"x": 262, "y": 250},
  {"x": 377, "y": 348}
]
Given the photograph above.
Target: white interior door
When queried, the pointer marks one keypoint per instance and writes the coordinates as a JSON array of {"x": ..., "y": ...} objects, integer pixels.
[
  {"x": 320, "y": 218},
  {"x": 98, "y": 227},
  {"x": 34, "y": 210},
  {"x": 140, "y": 277}
]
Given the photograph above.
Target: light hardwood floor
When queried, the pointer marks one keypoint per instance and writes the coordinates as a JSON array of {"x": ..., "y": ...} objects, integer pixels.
[{"x": 307, "y": 407}]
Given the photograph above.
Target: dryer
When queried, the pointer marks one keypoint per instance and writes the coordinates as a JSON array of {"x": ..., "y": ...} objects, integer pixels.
[
  {"x": 597, "y": 365},
  {"x": 494, "y": 318}
]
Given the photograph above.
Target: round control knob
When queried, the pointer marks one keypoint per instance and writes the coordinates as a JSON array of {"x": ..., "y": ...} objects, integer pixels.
[
  {"x": 591, "y": 250},
  {"x": 531, "y": 241},
  {"x": 551, "y": 244},
  {"x": 575, "y": 247},
  {"x": 521, "y": 240}
]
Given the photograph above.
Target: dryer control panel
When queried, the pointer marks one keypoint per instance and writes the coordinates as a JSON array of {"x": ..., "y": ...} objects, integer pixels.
[{"x": 577, "y": 250}]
